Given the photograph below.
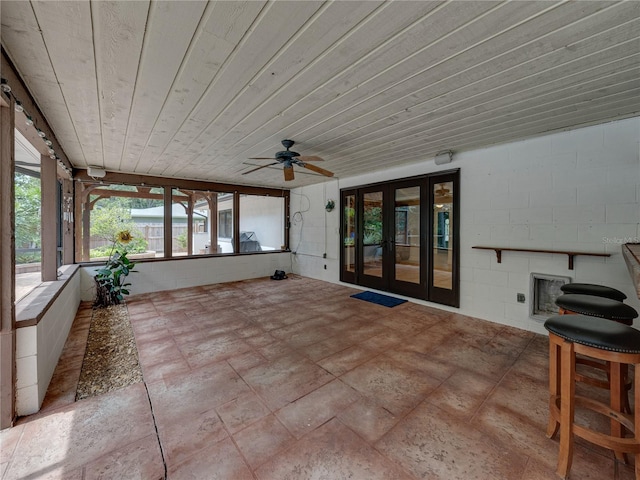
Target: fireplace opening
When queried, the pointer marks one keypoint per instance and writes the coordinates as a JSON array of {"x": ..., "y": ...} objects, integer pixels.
[{"x": 543, "y": 292}]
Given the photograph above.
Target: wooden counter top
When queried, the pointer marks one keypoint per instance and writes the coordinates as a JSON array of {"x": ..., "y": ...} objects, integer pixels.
[{"x": 631, "y": 253}]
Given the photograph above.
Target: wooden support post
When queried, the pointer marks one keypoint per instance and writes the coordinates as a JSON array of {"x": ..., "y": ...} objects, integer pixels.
[
  {"x": 168, "y": 213},
  {"x": 212, "y": 198},
  {"x": 67, "y": 222},
  {"x": 190, "y": 225},
  {"x": 49, "y": 218},
  {"x": 287, "y": 220},
  {"x": 7, "y": 265},
  {"x": 86, "y": 228},
  {"x": 78, "y": 205},
  {"x": 236, "y": 222}
]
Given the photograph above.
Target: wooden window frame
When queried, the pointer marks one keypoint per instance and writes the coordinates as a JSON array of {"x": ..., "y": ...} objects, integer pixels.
[{"x": 83, "y": 218}]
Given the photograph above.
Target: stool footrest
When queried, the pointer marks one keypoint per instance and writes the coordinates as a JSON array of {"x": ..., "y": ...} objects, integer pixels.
[
  {"x": 594, "y": 405},
  {"x": 626, "y": 445}
]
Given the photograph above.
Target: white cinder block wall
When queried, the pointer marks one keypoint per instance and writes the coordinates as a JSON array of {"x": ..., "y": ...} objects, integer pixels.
[
  {"x": 576, "y": 190},
  {"x": 38, "y": 347},
  {"x": 315, "y": 232},
  {"x": 183, "y": 273}
]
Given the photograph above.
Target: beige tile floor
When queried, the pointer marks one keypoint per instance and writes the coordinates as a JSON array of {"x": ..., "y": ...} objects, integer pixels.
[{"x": 296, "y": 380}]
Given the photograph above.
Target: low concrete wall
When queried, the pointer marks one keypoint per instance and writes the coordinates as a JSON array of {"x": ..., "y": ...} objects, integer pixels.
[
  {"x": 43, "y": 320},
  {"x": 192, "y": 272}
]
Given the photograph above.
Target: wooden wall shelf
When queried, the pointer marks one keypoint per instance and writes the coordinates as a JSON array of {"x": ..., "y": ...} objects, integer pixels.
[
  {"x": 631, "y": 253},
  {"x": 571, "y": 254}
]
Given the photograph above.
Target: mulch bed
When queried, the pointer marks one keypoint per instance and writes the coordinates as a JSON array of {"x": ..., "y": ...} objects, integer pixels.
[{"x": 111, "y": 357}]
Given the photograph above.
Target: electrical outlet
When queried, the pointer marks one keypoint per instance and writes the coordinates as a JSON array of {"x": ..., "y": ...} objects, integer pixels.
[{"x": 520, "y": 297}]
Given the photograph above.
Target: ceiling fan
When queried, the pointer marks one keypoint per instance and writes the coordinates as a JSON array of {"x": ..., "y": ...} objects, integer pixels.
[{"x": 288, "y": 159}]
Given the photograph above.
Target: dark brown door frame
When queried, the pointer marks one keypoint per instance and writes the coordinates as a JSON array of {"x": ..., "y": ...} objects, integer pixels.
[
  {"x": 415, "y": 290},
  {"x": 347, "y": 276},
  {"x": 371, "y": 281},
  {"x": 425, "y": 289},
  {"x": 436, "y": 294}
]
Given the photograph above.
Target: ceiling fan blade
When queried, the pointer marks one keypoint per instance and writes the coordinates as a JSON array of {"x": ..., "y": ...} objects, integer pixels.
[
  {"x": 258, "y": 168},
  {"x": 288, "y": 173},
  {"x": 310, "y": 158},
  {"x": 261, "y": 158},
  {"x": 319, "y": 170}
]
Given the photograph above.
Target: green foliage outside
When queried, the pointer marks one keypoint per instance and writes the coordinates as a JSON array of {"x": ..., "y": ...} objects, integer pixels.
[
  {"x": 27, "y": 223},
  {"x": 372, "y": 225},
  {"x": 107, "y": 220},
  {"x": 350, "y": 217},
  {"x": 182, "y": 240}
]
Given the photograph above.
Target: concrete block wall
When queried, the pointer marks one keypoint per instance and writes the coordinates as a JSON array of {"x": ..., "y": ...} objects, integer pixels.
[
  {"x": 315, "y": 232},
  {"x": 575, "y": 190},
  {"x": 38, "y": 347},
  {"x": 183, "y": 273}
]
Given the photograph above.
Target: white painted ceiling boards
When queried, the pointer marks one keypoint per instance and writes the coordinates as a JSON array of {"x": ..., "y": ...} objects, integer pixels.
[{"x": 192, "y": 89}]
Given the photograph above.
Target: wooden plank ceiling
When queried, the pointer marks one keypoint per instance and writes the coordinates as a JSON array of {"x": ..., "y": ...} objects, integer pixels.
[{"x": 193, "y": 89}]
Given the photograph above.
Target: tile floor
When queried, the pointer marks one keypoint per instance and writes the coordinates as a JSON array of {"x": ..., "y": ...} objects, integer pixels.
[{"x": 296, "y": 380}]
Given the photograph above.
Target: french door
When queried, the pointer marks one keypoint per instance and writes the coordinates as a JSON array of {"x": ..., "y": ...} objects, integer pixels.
[{"x": 401, "y": 237}]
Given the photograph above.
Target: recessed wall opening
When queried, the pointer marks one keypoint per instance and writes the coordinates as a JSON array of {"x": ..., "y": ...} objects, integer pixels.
[{"x": 543, "y": 291}]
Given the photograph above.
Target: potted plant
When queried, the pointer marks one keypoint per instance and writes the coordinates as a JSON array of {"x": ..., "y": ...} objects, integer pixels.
[{"x": 111, "y": 286}]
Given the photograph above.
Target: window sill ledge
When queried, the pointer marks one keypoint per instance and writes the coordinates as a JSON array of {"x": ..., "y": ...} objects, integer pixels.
[{"x": 31, "y": 309}]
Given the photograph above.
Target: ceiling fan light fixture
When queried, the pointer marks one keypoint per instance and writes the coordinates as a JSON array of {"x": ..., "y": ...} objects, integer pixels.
[{"x": 443, "y": 157}]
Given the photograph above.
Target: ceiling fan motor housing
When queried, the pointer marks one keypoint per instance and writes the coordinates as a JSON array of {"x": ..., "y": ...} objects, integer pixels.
[{"x": 287, "y": 154}]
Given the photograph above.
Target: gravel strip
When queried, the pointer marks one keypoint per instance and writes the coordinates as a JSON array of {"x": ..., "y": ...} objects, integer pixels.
[{"x": 111, "y": 358}]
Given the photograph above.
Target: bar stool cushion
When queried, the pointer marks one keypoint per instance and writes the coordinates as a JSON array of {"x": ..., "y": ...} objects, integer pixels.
[
  {"x": 597, "y": 307},
  {"x": 595, "y": 290},
  {"x": 592, "y": 332}
]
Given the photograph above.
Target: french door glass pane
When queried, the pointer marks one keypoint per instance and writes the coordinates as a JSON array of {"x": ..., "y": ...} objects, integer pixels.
[
  {"x": 349, "y": 233},
  {"x": 407, "y": 234},
  {"x": 443, "y": 235},
  {"x": 372, "y": 234}
]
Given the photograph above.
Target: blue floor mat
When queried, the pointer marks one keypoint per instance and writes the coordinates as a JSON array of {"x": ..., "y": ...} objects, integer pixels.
[{"x": 378, "y": 298}]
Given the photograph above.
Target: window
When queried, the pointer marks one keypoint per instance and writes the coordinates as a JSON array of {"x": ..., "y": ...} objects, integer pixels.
[
  {"x": 261, "y": 223},
  {"x": 28, "y": 222},
  {"x": 193, "y": 232},
  {"x": 113, "y": 208},
  {"x": 201, "y": 221},
  {"x": 225, "y": 224}
]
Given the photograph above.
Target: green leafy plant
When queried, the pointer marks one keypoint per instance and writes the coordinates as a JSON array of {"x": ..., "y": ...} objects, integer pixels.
[
  {"x": 372, "y": 237},
  {"x": 182, "y": 240},
  {"x": 111, "y": 285}
]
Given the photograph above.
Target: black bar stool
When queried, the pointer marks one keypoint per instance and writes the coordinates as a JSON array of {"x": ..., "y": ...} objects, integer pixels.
[
  {"x": 612, "y": 342},
  {"x": 594, "y": 290},
  {"x": 593, "y": 306},
  {"x": 603, "y": 308}
]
